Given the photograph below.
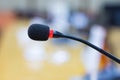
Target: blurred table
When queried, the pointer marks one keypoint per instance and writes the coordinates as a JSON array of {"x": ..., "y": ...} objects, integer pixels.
[
  {"x": 114, "y": 40},
  {"x": 13, "y": 65}
]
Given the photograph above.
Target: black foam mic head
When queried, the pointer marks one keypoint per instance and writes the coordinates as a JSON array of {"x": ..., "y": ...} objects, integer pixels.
[{"x": 38, "y": 32}]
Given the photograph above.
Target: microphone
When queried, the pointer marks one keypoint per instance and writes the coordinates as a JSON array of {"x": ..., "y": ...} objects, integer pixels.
[{"x": 41, "y": 32}]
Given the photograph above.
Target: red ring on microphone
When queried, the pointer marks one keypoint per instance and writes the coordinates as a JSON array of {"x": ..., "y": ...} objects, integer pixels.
[{"x": 51, "y": 33}]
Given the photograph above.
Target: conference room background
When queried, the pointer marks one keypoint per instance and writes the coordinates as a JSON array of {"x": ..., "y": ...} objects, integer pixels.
[{"x": 97, "y": 21}]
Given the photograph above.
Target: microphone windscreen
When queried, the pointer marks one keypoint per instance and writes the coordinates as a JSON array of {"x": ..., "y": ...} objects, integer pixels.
[{"x": 38, "y": 32}]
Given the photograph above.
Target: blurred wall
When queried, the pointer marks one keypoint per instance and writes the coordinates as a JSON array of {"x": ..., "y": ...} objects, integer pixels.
[
  {"x": 12, "y": 4},
  {"x": 93, "y": 5},
  {"x": 96, "y": 5}
]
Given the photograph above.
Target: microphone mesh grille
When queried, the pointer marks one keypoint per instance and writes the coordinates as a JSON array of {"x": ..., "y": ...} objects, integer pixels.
[{"x": 38, "y": 32}]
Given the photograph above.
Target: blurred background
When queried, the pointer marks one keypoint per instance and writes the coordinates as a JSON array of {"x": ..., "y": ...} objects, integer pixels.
[{"x": 97, "y": 21}]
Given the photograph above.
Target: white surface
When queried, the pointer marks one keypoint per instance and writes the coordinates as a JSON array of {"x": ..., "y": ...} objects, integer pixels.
[{"x": 60, "y": 57}]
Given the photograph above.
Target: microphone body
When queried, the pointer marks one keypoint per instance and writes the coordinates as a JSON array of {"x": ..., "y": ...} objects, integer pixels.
[
  {"x": 42, "y": 33},
  {"x": 38, "y": 32}
]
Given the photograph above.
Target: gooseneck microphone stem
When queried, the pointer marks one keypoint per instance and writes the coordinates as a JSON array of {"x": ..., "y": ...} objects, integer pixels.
[{"x": 93, "y": 46}]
